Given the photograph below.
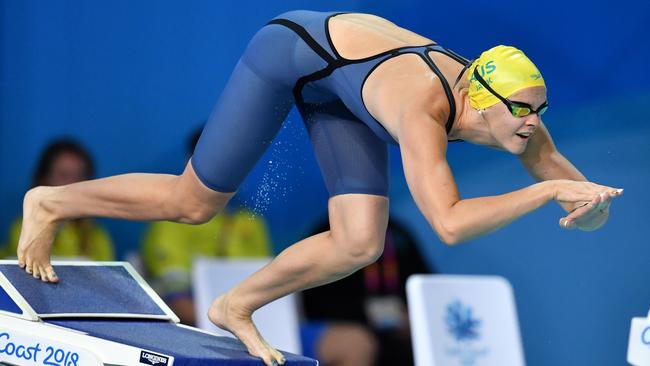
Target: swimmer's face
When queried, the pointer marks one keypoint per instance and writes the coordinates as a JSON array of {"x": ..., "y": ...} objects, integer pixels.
[
  {"x": 513, "y": 133},
  {"x": 67, "y": 168}
]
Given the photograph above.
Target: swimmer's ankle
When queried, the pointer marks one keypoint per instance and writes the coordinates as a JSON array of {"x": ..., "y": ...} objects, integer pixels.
[
  {"x": 42, "y": 199},
  {"x": 235, "y": 308}
]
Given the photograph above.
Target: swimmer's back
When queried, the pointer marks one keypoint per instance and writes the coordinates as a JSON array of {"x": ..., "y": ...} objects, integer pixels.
[{"x": 358, "y": 35}]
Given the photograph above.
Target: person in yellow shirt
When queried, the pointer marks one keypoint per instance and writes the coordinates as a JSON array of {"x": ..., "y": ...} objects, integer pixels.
[
  {"x": 64, "y": 162},
  {"x": 80, "y": 239},
  {"x": 168, "y": 250}
]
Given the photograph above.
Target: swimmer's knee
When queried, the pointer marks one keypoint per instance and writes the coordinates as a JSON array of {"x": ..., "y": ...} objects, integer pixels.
[
  {"x": 195, "y": 211},
  {"x": 198, "y": 215},
  {"x": 358, "y": 226},
  {"x": 361, "y": 247},
  {"x": 193, "y": 202}
]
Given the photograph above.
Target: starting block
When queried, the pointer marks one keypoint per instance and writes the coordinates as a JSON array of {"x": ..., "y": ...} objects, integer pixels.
[{"x": 103, "y": 313}]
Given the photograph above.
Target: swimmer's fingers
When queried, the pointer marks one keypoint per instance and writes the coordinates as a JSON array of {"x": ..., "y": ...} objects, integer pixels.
[
  {"x": 568, "y": 222},
  {"x": 605, "y": 202},
  {"x": 573, "y": 192},
  {"x": 597, "y": 215},
  {"x": 589, "y": 216}
]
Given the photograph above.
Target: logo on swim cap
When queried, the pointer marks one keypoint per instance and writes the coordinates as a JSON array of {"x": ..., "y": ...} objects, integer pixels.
[
  {"x": 485, "y": 70},
  {"x": 507, "y": 70}
]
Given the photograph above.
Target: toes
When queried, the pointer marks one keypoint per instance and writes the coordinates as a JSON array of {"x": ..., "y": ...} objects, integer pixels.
[
  {"x": 36, "y": 273},
  {"x": 279, "y": 357},
  {"x": 39, "y": 273},
  {"x": 270, "y": 356},
  {"x": 30, "y": 265},
  {"x": 275, "y": 353},
  {"x": 268, "y": 360},
  {"x": 50, "y": 275},
  {"x": 44, "y": 272}
]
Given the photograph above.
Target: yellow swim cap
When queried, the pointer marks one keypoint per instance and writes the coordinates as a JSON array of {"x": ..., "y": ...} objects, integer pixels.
[{"x": 506, "y": 69}]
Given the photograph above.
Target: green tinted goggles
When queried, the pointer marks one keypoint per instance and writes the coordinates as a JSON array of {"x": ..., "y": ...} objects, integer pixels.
[{"x": 518, "y": 109}]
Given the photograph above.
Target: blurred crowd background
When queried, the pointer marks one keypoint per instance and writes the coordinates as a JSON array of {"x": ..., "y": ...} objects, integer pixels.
[{"x": 93, "y": 89}]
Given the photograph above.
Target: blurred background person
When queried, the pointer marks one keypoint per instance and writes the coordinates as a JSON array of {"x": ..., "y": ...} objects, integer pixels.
[
  {"x": 168, "y": 249},
  {"x": 65, "y": 161}
]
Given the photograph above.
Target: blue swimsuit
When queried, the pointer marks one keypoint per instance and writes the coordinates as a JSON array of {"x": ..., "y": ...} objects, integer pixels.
[{"x": 291, "y": 61}]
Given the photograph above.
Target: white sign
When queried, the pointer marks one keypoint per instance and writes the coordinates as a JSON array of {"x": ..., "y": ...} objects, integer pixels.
[
  {"x": 638, "y": 349},
  {"x": 463, "y": 321}
]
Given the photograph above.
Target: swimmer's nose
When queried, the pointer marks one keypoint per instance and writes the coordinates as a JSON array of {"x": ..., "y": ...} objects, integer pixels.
[{"x": 533, "y": 120}]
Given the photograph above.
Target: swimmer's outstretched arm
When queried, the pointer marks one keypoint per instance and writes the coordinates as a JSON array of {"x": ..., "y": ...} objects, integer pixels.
[
  {"x": 137, "y": 196},
  {"x": 423, "y": 145}
]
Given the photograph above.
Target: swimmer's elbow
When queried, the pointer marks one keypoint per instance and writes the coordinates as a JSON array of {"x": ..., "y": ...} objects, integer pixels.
[
  {"x": 449, "y": 238},
  {"x": 447, "y": 232}
]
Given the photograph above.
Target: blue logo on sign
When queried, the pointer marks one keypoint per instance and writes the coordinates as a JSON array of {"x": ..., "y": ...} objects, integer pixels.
[
  {"x": 645, "y": 336},
  {"x": 461, "y": 324}
]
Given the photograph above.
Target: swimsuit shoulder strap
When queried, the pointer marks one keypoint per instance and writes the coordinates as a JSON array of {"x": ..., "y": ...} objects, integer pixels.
[{"x": 445, "y": 84}]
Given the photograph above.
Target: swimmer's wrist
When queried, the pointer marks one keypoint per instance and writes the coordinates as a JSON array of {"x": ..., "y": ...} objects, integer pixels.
[{"x": 549, "y": 189}]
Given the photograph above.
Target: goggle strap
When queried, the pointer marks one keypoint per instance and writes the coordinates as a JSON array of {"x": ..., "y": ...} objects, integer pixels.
[{"x": 467, "y": 65}]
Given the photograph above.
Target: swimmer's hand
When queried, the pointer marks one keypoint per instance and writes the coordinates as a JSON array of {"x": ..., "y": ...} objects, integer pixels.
[
  {"x": 591, "y": 204},
  {"x": 36, "y": 237}
]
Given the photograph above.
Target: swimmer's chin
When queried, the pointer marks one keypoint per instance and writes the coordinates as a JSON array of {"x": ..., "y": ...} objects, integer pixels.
[
  {"x": 517, "y": 149},
  {"x": 514, "y": 150}
]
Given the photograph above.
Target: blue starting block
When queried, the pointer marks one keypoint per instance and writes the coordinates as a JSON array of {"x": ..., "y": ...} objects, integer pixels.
[{"x": 103, "y": 313}]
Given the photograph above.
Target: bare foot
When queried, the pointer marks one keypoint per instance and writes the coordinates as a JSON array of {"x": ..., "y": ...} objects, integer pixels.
[
  {"x": 239, "y": 322},
  {"x": 36, "y": 237}
]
